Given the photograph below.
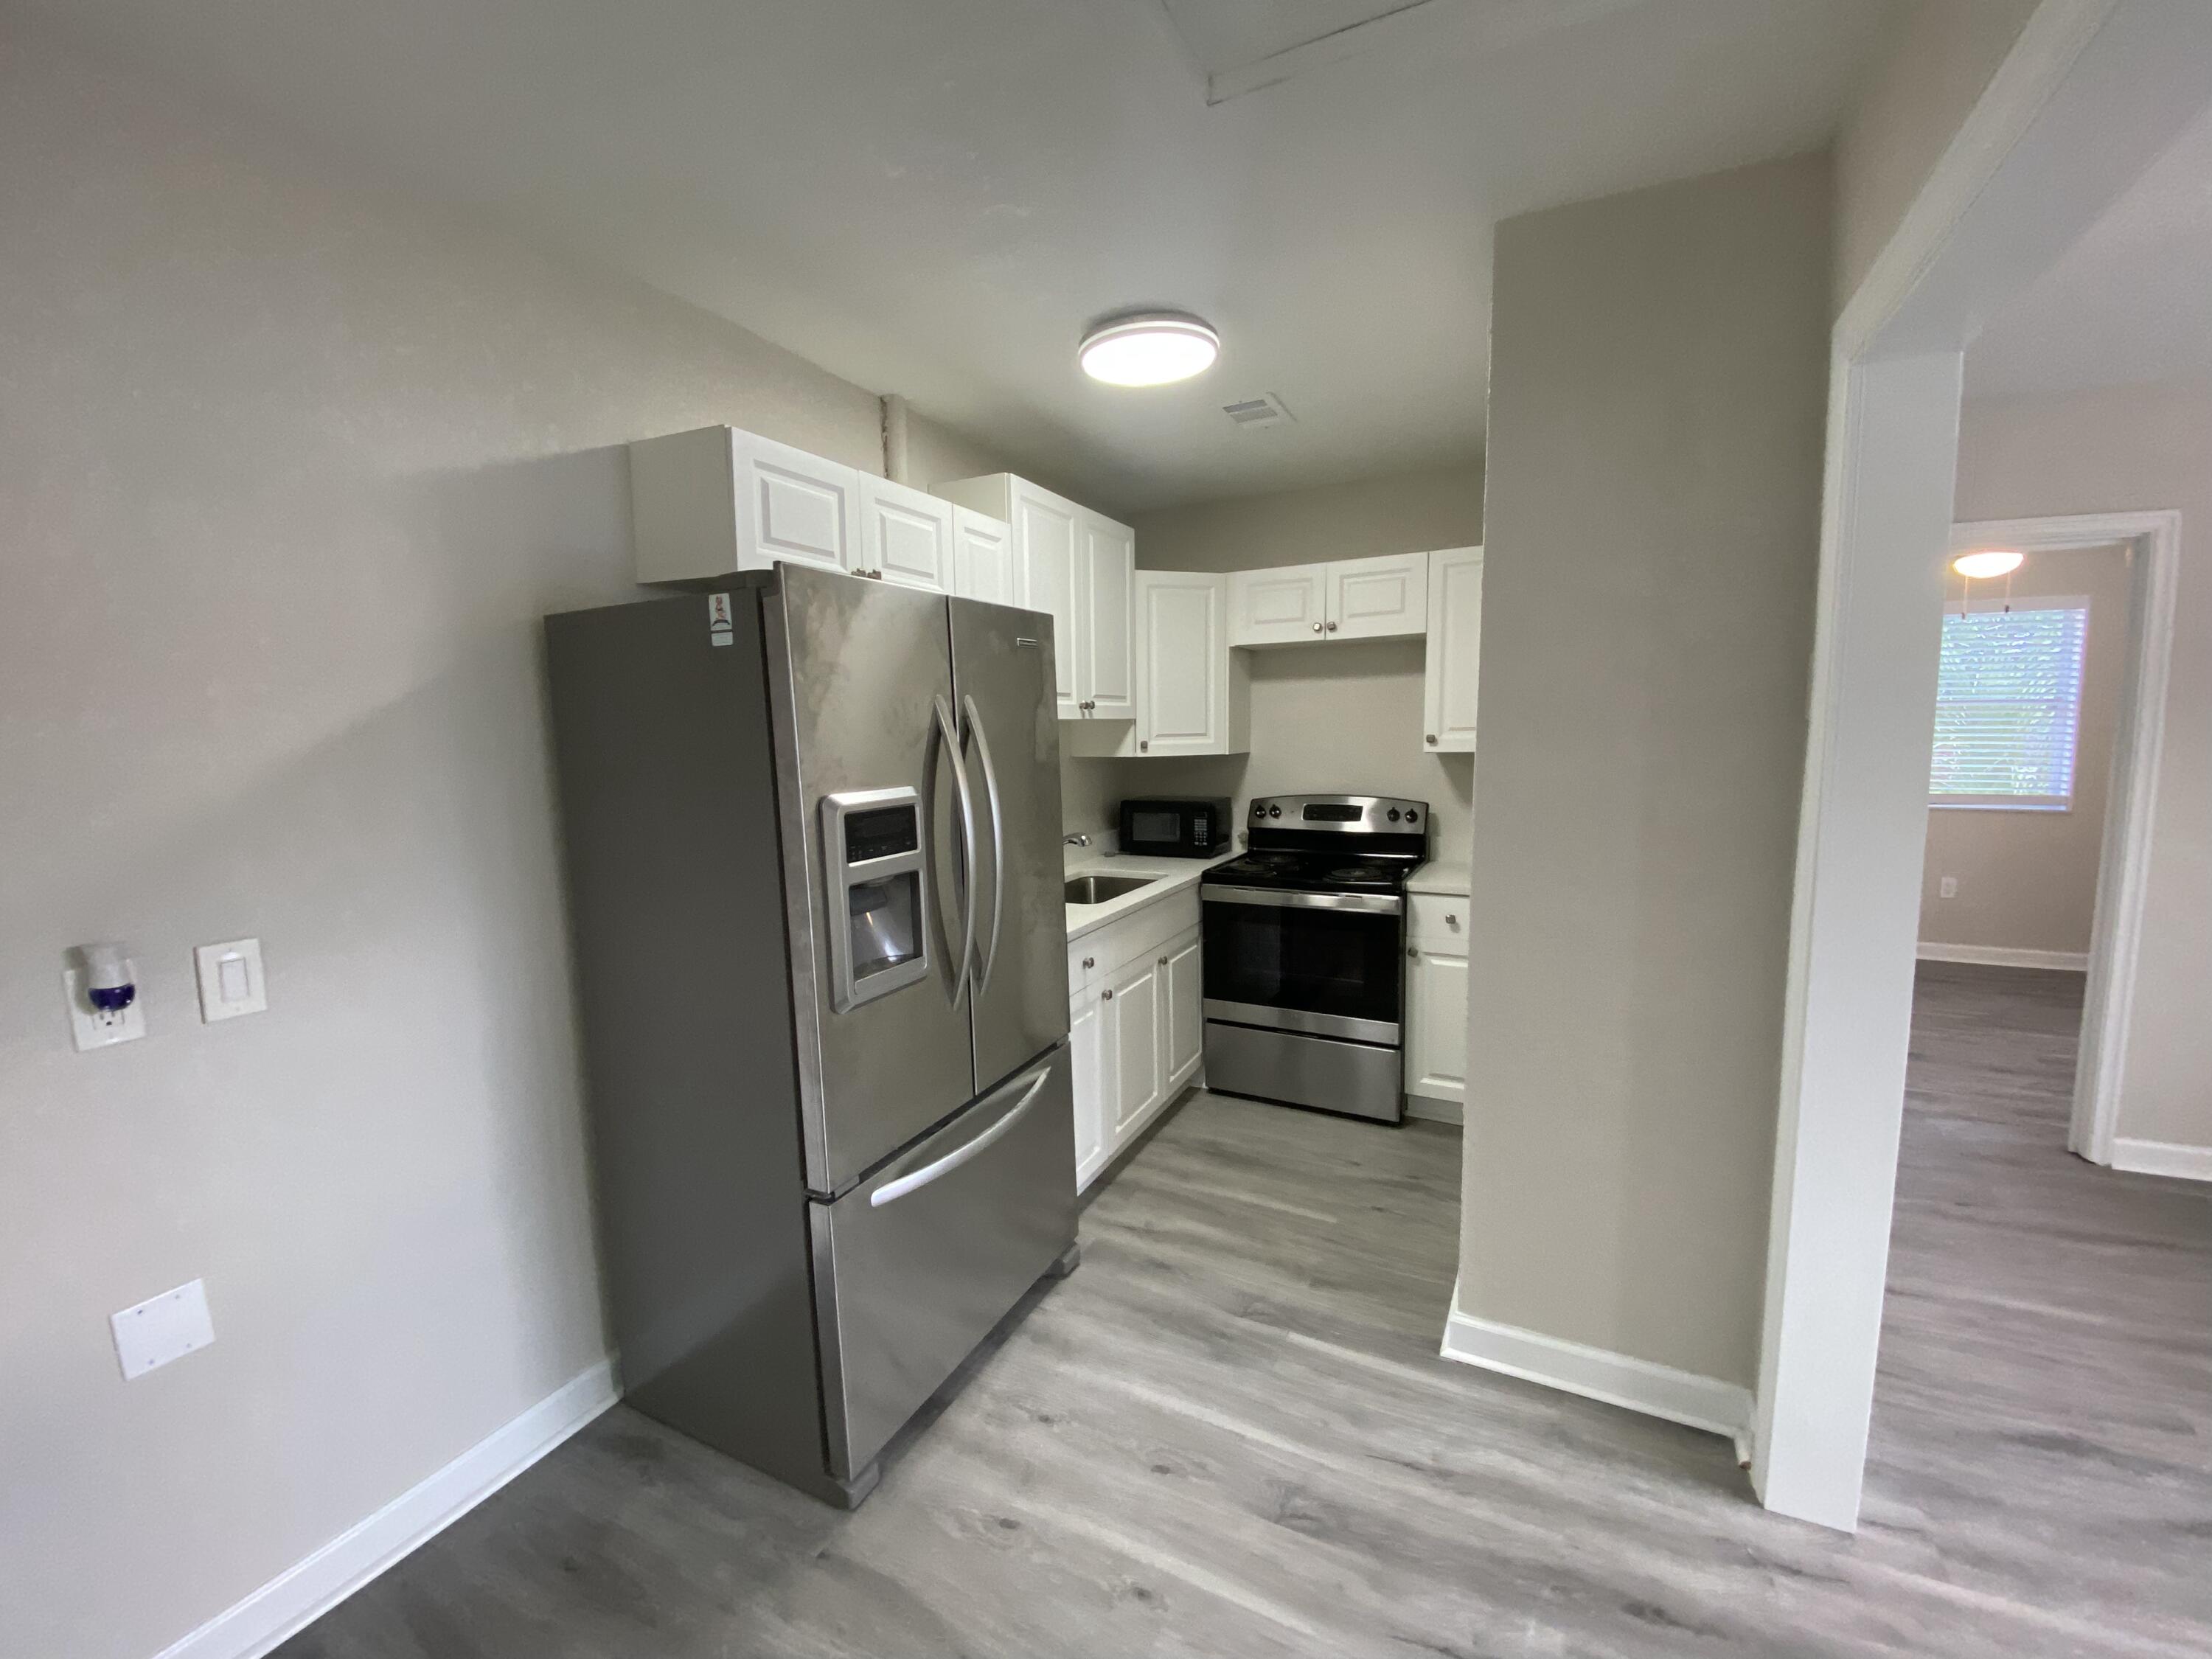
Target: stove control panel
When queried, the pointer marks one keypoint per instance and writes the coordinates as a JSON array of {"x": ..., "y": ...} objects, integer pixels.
[{"x": 1341, "y": 814}]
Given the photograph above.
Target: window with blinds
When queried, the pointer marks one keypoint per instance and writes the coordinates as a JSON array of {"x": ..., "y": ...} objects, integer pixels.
[{"x": 2009, "y": 705}]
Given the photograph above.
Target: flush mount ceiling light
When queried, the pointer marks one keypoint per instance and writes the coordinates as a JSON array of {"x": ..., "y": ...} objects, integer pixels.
[
  {"x": 1979, "y": 566},
  {"x": 1148, "y": 348}
]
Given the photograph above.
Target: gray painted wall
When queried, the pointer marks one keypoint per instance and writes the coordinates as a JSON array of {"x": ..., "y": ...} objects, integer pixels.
[
  {"x": 292, "y": 469},
  {"x": 2126, "y": 448},
  {"x": 1656, "y": 408},
  {"x": 1400, "y": 512},
  {"x": 2027, "y": 881},
  {"x": 1940, "y": 60}
]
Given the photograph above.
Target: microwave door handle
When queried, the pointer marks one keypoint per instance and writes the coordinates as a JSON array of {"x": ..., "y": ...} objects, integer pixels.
[
  {"x": 965, "y": 871},
  {"x": 997, "y": 841}
]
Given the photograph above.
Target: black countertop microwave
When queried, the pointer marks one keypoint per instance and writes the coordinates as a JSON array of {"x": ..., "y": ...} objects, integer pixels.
[{"x": 1176, "y": 828}]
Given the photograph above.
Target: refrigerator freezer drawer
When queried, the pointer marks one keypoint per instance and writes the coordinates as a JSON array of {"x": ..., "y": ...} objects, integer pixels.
[
  {"x": 1359, "y": 1079},
  {"x": 914, "y": 1266}
]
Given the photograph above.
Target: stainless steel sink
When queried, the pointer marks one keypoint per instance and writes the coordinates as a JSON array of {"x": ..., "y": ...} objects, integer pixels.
[{"x": 1097, "y": 890}]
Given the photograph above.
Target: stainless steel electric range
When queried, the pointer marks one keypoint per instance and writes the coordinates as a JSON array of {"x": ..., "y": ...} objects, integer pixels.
[{"x": 1305, "y": 953}]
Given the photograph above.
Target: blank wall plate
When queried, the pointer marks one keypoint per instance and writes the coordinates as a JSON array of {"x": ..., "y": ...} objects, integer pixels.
[
  {"x": 161, "y": 1328},
  {"x": 92, "y": 1027},
  {"x": 230, "y": 979}
]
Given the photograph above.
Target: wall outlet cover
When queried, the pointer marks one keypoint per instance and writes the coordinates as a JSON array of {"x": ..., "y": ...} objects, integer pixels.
[
  {"x": 1947, "y": 887},
  {"x": 97, "y": 1028},
  {"x": 161, "y": 1328}
]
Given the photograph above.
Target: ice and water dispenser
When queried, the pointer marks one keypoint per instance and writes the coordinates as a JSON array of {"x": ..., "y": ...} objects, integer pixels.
[{"x": 878, "y": 897}]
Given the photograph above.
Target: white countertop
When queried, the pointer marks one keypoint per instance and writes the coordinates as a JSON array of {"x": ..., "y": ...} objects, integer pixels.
[
  {"x": 1170, "y": 876},
  {"x": 1440, "y": 876}
]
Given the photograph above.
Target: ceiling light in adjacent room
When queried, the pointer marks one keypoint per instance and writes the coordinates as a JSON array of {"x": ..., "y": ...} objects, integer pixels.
[
  {"x": 1980, "y": 566},
  {"x": 1149, "y": 348}
]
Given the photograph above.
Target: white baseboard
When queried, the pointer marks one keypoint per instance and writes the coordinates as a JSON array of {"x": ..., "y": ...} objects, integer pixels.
[
  {"x": 1700, "y": 1402},
  {"x": 310, "y": 1588},
  {"x": 2163, "y": 1157},
  {"x": 2004, "y": 956},
  {"x": 1430, "y": 1110}
]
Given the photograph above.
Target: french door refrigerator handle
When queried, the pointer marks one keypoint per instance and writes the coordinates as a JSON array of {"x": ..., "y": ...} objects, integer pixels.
[
  {"x": 891, "y": 1191},
  {"x": 950, "y": 732},
  {"x": 998, "y": 840}
]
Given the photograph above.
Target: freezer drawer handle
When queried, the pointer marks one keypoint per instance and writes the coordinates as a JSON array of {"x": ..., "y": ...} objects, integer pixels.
[
  {"x": 960, "y": 979},
  {"x": 998, "y": 842},
  {"x": 953, "y": 1160}
]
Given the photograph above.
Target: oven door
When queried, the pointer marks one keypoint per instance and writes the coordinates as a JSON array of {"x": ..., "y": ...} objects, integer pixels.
[{"x": 1328, "y": 964}]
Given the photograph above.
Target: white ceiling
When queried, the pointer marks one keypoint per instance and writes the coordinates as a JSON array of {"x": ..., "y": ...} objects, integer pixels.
[
  {"x": 2132, "y": 301},
  {"x": 932, "y": 197}
]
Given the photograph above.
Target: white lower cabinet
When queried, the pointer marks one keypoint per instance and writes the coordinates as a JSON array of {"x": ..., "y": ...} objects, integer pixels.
[
  {"x": 1185, "y": 1002},
  {"x": 1435, "y": 1052},
  {"x": 1435, "y": 1002},
  {"x": 1085, "y": 1059},
  {"x": 1135, "y": 1026},
  {"x": 1129, "y": 1018}
]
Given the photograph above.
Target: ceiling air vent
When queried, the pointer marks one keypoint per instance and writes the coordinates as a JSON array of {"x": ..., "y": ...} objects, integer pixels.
[{"x": 1266, "y": 411}]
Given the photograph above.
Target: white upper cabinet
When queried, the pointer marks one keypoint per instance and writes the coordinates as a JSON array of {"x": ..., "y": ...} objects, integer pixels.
[
  {"x": 1344, "y": 599},
  {"x": 711, "y": 503},
  {"x": 1106, "y": 667},
  {"x": 906, "y": 536},
  {"x": 1377, "y": 599},
  {"x": 1193, "y": 693},
  {"x": 1278, "y": 607},
  {"x": 1454, "y": 650},
  {"x": 1078, "y": 567},
  {"x": 983, "y": 565}
]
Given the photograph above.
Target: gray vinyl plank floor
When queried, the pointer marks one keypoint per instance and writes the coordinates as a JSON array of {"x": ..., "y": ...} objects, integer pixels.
[{"x": 1230, "y": 1434}]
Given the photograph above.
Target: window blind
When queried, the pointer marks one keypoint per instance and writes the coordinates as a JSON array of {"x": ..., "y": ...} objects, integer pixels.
[{"x": 2008, "y": 705}]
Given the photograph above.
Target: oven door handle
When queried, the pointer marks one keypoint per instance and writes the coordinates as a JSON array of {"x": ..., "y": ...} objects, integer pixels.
[{"x": 1380, "y": 904}]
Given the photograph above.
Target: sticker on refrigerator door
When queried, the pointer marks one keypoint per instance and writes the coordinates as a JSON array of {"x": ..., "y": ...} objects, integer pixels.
[{"x": 720, "y": 629}]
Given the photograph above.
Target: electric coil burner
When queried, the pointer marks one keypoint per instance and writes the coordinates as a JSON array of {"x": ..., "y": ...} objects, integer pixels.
[{"x": 1305, "y": 953}]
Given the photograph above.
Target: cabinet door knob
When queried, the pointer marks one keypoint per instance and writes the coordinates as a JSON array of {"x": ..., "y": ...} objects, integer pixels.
[
  {"x": 1164, "y": 961},
  {"x": 1415, "y": 951},
  {"x": 1316, "y": 628},
  {"x": 1450, "y": 920},
  {"x": 1144, "y": 744},
  {"x": 1432, "y": 737},
  {"x": 1331, "y": 627},
  {"x": 1091, "y": 962},
  {"x": 1106, "y": 995}
]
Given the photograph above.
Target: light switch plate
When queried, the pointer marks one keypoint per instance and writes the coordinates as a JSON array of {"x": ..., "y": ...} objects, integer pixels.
[
  {"x": 161, "y": 1328},
  {"x": 230, "y": 979},
  {"x": 95, "y": 1028}
]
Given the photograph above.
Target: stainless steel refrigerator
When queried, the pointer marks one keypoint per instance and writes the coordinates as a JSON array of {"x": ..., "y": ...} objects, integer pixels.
[{"x": 812, "y": 833}]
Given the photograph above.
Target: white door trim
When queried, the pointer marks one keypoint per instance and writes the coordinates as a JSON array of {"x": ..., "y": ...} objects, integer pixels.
[
  {"x": 2091, "y": 92},
  {"x": 2130, "y": 803}
]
